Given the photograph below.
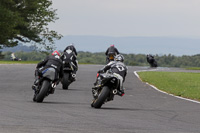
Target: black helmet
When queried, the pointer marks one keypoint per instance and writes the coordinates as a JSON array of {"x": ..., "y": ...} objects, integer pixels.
[{"x": 119, "y": 57}]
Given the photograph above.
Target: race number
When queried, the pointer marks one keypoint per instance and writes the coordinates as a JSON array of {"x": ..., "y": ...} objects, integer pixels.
[{"x": 120, "y": 68}]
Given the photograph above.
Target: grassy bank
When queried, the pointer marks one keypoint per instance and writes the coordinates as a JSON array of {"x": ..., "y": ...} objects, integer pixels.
[
  {"x": 178, "y": 83},
  {"x": 19, "y": 62},
  {"x": 30, "y": 62},
  {"x": 193, "y": 68}
]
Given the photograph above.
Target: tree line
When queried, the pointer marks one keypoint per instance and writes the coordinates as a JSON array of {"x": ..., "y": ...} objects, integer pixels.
[
  {"x": 27, "y": 21},
  {"x": 100, "y": 58}
]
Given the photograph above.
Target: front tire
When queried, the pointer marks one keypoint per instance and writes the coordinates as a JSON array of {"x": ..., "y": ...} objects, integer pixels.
[
  {"x": 65, "y": 82},
  {"x": 97, "y": 103},
  {"x": 43, "y": 91}
]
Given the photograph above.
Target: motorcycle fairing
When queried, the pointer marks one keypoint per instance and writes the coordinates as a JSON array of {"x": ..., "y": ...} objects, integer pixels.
[
  {"x": 49, "y": 73},
  {"x": 110, "y": 80}
]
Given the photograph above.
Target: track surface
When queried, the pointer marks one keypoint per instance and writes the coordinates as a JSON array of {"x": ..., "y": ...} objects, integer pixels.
[{"x": 141, "y": 110}]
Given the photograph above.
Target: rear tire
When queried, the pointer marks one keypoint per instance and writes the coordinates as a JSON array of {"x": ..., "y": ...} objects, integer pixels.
[
  {"x": 43, "y": 91},
  {"x": 65, "y": 82},
  {"x": 154, "y": 64},
  {"x": 97, "y": 103}
]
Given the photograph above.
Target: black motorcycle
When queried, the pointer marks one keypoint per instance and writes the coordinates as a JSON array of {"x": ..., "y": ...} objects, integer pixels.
[
  {"x": 68, "y": 76},
  {"x": 107, "y": 85},
  {"x": 152, "y": 61},
  {"x": 46, "y": 85}
]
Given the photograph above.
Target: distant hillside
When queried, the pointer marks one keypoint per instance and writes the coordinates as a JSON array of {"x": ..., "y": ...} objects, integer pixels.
[
  {"x": 20, "y": 47},
  {"x": 136, "y": 45}
]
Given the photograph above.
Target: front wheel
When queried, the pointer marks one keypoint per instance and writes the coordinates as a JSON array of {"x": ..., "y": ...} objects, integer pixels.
[
  {"x": 65, "y": 82},
  {"x": 43, "y": 91},
  {"x": 97, "y": 103}
]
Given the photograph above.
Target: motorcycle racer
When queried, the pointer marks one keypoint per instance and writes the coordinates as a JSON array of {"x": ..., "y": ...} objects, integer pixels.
[
  {"x": 117, "y": 67},
  {"x": 52, "y": 61}
]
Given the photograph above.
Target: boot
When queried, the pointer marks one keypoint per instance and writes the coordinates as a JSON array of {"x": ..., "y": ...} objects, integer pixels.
[
  {"x": 121, "y": 92},
  {"x": 35, "y": 85}
]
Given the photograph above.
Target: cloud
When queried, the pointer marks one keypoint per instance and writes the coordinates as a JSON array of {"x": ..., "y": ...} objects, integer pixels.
[{"x": 128, "y": 17}]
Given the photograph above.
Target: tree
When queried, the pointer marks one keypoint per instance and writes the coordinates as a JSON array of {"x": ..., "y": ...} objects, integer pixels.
[
  {"x": 27, "y": 21},
  {"x": 1, "y": 55}
]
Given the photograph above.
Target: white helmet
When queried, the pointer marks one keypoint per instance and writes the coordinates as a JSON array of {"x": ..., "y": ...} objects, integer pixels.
[{"x": 119, "y": 57}]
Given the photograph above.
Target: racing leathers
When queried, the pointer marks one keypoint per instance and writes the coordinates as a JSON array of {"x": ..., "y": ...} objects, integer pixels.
[
  {"x": 118, "y": 68},
  {"x": 150, "y": 58},
  {"x": 69, "y": 56},
  {"x": 111, "y": 49},
  {"x": 50, "y": 61},
  {"x": 72, "y": 48}
]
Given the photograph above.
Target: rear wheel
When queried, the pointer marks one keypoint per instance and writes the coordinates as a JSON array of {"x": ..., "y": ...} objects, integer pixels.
[
  {"x": 154, "y": 64},
  {"x": 65, "y": 82},
  {"x": 43, "y": 92},
  {"x": 97, "y": 103}
]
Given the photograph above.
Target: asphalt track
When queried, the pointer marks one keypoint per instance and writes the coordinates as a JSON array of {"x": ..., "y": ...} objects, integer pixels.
[{"x": 141, "y": 110}]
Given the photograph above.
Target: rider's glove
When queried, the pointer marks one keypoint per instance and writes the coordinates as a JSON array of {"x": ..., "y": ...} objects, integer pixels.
[{"x": 100, "y": 71}]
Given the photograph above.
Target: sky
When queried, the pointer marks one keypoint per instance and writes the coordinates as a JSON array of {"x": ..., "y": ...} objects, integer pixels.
[{"x": 119, "y": 18}]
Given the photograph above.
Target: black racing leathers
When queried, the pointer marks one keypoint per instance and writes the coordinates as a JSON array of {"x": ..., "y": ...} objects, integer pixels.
[
  {"x": 116, "y": 67},
  {"x": 52, "y": 61},
  {"x": 111, "y": 49},
  {"x": 72, "y": 48},
  {"x": 70, "y": 57},
  {"x": 150, "y": 58}
]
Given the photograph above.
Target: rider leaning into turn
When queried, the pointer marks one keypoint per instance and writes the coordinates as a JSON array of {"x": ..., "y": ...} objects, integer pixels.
[
  {"x": 118, "y": 67},
  {"x": 68, "y": 56},
  {"x": 52, "y": 61},
  {"x": 72, "y": 55},
  {"x": 71, "y": 47}
]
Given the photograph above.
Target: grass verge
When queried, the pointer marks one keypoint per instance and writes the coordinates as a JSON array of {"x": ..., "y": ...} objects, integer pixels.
[
  {"x": 182, "y": 84},
  {"x": 32, "y": 62},
  {"x": 193, "y": 68},
  {"x": 19, "y": 62}
]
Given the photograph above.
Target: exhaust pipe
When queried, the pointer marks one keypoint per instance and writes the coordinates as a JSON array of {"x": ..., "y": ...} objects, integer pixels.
[
  {"x": 115, "y": 91},
  {"x": 74, "y": 75},
  {"x": 53, "y": 85}
]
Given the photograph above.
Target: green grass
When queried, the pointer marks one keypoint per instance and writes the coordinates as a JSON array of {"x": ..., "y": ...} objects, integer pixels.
[
  {"x": 193, "y": 68},
  {"x": 30, "y": 62},
  {"x": 182, "y": 84},
  {"x": 19, "y": 62}
]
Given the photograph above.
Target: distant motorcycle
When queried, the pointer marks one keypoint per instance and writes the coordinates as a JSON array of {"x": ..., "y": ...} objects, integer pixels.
[
  {"x": 14, "y": 58},
  {"x": 152, "y": 61},
  {"x": 68, "y": 69},
  {"x": 47, "y": 84},
  {"x": 108, "y": 84}
]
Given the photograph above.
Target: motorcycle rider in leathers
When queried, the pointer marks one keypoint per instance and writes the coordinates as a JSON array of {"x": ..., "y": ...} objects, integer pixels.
[
  {"x": 52, "y": 61},
  {"x": 69, "y": 55},
  {"x": 71, "y": 47},
  {"x": 111, "y": 50},
  {"x": 74, "y": 57},
  {"x": 118, "y": 67}
]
